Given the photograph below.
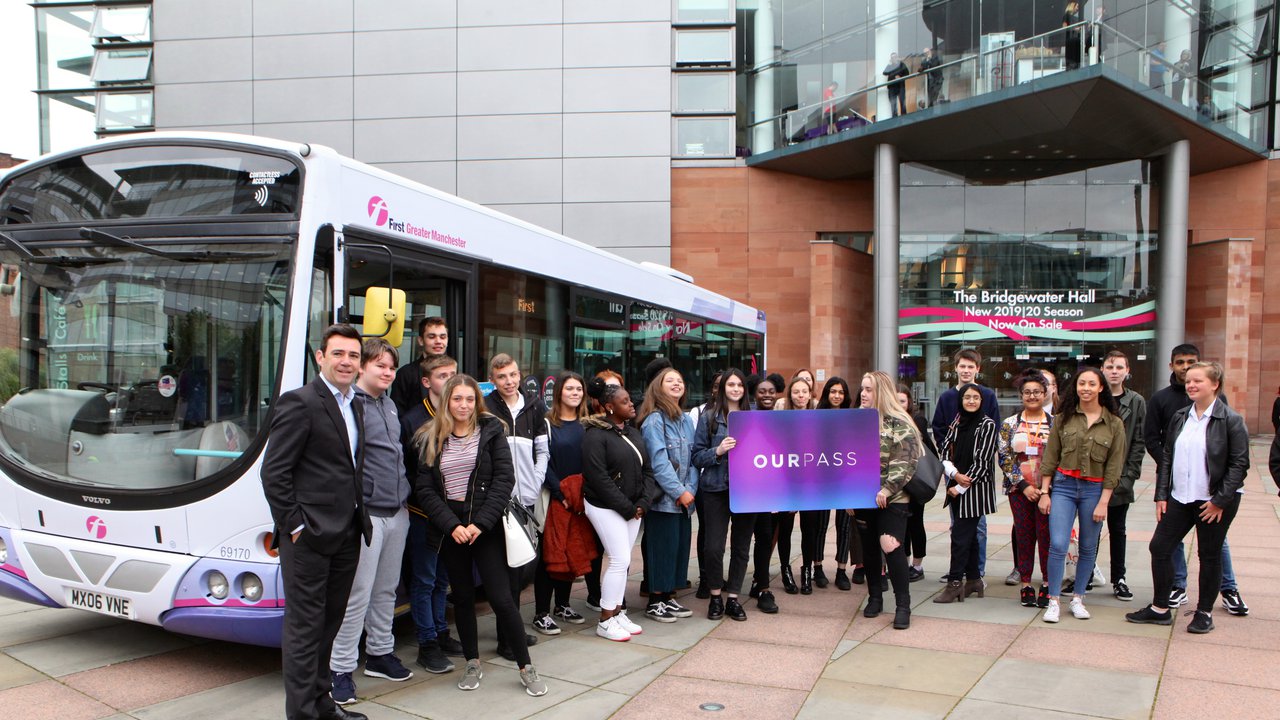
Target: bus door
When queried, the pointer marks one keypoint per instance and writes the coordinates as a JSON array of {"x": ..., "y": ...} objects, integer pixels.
[{"x": 435, "y": 285}]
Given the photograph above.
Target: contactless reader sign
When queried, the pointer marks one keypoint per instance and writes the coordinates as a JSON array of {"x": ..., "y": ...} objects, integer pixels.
[{"x": 804, "y": 460}]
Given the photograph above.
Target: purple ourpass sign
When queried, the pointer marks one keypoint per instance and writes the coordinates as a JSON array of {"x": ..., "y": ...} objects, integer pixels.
[{"x": 804, "y": 460}]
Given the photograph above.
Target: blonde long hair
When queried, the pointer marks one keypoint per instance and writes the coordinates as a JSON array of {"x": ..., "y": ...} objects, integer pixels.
[
  {"x": 430, "y": 438},
  {"x": 655, "y": 400},
  {"x": 887, "y": 404}
]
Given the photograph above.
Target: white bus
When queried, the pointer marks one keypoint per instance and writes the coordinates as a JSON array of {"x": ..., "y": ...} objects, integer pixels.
[{"x": 159, "y": 291}]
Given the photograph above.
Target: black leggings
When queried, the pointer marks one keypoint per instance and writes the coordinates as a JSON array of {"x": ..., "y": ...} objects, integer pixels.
[
  {"x": 964, "y": 546},
  {"x": 783, "y": 523},
  {"x": 1117, "y": 516},
  {"x": 488, "y": 554},
  {"x": 917, "y": 542},
  {"x": 891, "y": 521},
  {"x": 811, "y": 531}
]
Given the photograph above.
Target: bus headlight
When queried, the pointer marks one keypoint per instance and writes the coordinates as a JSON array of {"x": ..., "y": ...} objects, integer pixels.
[
  {"x": 251, "y": 587},
  {"x": 4, "y": 552},
  {"x": 217, "y": 583}
]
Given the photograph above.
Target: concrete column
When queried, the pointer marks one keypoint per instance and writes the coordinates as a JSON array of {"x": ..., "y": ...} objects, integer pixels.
[
  {"x": 886, "y": 259},
  {"x": 763, "y": 106},
  {"x": 1171, "y": 305}
]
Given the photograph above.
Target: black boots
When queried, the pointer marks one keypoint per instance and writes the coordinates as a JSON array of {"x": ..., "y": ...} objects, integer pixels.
[
  {"x": 902, "y": 616},
  {"x": 806, "y": 580},
  {"x": 875, "y": 605},
  {"x": 715, "y": 607},
  {"x": 842, "y": 580},
  {"x": 788, "y": 581},
  {"x": 819, "y": 576}
]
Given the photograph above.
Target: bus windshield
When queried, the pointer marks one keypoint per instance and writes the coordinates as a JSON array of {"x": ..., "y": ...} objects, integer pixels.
[{"x": 138, "y": 368}]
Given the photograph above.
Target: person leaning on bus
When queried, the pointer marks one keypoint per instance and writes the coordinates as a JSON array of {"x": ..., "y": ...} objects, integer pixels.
[
  {"x": 311, "y": 476},
  {"x": 465, "y": 480}
]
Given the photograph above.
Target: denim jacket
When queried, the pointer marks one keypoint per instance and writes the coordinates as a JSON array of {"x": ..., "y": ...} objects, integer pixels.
[
  {"x": 715, "y": 468},
  {"x": 670, "y": 445}
]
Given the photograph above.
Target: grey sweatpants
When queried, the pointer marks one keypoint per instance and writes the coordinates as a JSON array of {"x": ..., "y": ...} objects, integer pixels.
[{"x": 372, "y": 604}]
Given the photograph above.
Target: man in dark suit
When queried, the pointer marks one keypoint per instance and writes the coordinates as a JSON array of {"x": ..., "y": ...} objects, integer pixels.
[{"x": 311, "y": 477}]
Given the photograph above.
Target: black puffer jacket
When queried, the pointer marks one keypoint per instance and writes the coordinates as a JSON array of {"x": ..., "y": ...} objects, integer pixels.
[
  {"x": 487, "y": 492},
  {"x": 1226, "y": 443},
  {"x": 615, "y": 475}
]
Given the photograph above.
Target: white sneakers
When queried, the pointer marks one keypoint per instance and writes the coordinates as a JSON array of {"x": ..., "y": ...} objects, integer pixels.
[
  {"x": 1078, "y": 609},
  {"x": 626, "y": 623},
  {"x": 613, "y": 630},
  {"x": 1051, "y": 612}
]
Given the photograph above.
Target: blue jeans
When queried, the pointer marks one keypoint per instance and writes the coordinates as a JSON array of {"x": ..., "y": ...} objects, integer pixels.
[
  {"x": 982, "y": 546},
  {"x": 428, "y": 583},
  {"x": 1072, "y": 498},
  {"x": 1180, "y": 568}
]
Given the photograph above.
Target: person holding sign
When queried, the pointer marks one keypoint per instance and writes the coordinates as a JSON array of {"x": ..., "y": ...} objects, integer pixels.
[
  {"x": 836, "y": 396},
  {"x": 668, "y": 433},
  {"x": 1082, "y": 464},
  {"x": 968, "y": 456},
  {"x": 711, "y": 447},
  {"x": 798, "y": 396},
  {"x": 886, "y": 524},
  {"x": 1022, "y": 440}
]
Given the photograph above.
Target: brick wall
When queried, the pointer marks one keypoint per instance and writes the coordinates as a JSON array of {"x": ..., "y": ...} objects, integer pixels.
[{"x": 749, "y": 233}]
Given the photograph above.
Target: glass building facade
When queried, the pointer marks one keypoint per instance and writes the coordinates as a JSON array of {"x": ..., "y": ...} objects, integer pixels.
[
  {"x": 808, "y": 68},
  {"x": 1049, "y": 271}
]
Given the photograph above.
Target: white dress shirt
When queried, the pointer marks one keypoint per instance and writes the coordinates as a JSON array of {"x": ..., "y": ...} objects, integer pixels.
[
  {"x": 348, "y": 412},
  {"x": 1190, "y": 474}
]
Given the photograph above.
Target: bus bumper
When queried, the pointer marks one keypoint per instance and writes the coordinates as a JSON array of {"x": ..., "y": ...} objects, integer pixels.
[
  {"x": 18, "y": 588},
  {"x": 239, "y": 625}
]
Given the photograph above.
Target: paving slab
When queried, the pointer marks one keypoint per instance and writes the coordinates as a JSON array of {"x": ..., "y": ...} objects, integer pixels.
[
  {"x": 115, "y": 643},
  {"x": 838, "y": 699},
  {"x": 43, "y": 623},
  {"x": 640, "y": 679},
  {"x": 167, "y": 676},
  {"x": 1105, "y": 651},
  {"x": 500, "y": 697},
  {"x": 788, "y": 667},
  {"x": 590, "y": 705},
  {"x": 1101, "y": 693},
  {"x": 680, "y": 635},
  {"x": 1105, "y": 619},
  {"x": 905, "y": 668},
  {"x": 1190, "y": 699},
  {"x": 843, "y": 647},
  {"x": 51, "y": 700},
  {"x": 15, "y": 674},
  {"x": 785, "y": 629},
  {"x": 679, "y": 698},
  {"x": 988, "y": 609},
  {"x": 971, "y": 709},
  {"x": 590, "y": 660},
  {"x": 958, "y": 636},
  {"x": 260, "y": 698}
]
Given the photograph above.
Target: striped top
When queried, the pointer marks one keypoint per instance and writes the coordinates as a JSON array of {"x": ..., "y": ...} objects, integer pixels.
[
  {"x": 457, "y": 460},
  {"x": 980, "y": 499}
]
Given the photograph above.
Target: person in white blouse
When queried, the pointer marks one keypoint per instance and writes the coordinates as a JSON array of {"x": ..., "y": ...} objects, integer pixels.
[{"x": 1199, "y": 484}]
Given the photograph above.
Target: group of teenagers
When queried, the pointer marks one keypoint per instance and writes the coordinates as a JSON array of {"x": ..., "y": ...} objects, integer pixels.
[{"x": 440, "y": 463}]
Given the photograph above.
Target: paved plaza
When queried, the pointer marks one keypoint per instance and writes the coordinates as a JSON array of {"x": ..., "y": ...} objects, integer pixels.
[{"x": 818, "y": 658}]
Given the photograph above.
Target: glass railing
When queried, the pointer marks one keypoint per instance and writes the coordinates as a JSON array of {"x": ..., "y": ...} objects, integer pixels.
[{"x": 1007, "y": 65}]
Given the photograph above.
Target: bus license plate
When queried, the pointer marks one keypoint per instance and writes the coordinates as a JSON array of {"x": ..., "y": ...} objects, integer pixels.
[{"x": 100, "y": 603}]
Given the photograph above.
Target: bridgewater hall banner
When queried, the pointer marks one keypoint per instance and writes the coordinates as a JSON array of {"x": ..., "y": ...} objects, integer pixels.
[
  {"x": 804, "y": 460},
  {"x": 1073, "y": 315}
]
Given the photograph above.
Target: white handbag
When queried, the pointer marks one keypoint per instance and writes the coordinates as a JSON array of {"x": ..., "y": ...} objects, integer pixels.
[{"x": 516, "y": 529}]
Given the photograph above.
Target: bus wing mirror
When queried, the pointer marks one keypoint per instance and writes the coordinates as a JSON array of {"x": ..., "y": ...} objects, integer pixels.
[{"x": 384, "y": 314}]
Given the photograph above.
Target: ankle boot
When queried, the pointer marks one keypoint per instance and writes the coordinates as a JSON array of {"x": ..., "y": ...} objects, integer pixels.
[
  {"x": 788, "y": 581},
  {"x": 820, "y": 577},
  {"x": 953, "y": 592},
  {"x": 902, "y": 616},
  {"x": 875, "y": 606},
  {"x": 806, "y": 580},
  {"x": 842, "y": 580},
  {"x": 975, "y": 586}
]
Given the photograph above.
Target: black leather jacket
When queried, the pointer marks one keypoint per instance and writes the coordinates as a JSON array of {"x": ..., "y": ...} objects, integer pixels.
[
  {"x": 490, "y": 486},
  {"x": 1226, "y": 454}
]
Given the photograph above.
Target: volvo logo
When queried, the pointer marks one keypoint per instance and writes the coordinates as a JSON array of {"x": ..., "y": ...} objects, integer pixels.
[
  {"x": 96, "y": 526},
  {"x": 96, "y": 500}
]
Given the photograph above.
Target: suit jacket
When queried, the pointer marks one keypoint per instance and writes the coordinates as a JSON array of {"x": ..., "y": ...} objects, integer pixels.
[{"x": 308, "y": 475}]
